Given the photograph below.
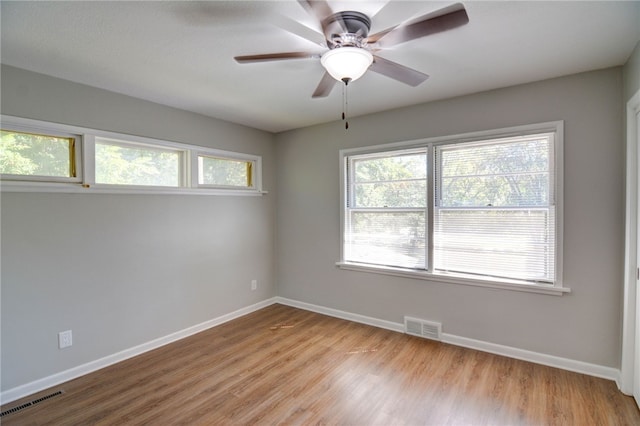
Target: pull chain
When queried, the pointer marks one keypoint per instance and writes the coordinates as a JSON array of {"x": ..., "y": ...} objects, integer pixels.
[{"x": 345, "y": 102}]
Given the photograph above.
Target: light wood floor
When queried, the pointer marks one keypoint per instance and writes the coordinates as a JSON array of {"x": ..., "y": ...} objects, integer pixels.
[{"x": 282, "y": 365}]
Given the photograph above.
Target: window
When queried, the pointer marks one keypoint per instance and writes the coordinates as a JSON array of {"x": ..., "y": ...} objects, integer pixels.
[
  {"x": 494, "y": 212},
  {"x": 386, "y": 212},
  {"x": 472, "y": 208},
  {"x": 38, "y": 156},
  {"x": 224, "y": 172},
  {"x": 121, "y": 163}
]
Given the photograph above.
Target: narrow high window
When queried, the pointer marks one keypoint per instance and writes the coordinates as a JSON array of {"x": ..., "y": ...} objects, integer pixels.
[
  {"x": 225, "y": 172},
  {"x": 34, "y": 156},
  {"x": 124, "y": 163}
]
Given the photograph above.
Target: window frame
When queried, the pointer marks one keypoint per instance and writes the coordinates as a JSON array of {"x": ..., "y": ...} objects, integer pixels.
[
  {"x": 75, "y": 159},
  {"x": 255, "y": 175},
  {"x": 555, "y": 127},
  {"x": 350, "y": 200},
  {"x": 549, "y": 206},
  {"x": 85, "y": 164},
  {"x": 182, "y": 161}
]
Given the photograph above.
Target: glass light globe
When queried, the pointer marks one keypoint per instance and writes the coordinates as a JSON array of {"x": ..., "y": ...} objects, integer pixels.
[{"x": 347, "y": 62}]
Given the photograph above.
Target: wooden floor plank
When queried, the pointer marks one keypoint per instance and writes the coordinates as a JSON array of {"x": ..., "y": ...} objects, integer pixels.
[{"x": 283, "y": 365}]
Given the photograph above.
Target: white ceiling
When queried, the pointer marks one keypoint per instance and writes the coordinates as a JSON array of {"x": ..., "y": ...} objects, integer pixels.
[{"x": 181, "y": 53}]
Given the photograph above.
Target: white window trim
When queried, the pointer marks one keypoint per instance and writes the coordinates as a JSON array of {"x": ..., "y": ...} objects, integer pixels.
[
  {"x": 556, "y": 127},
  {"x": 85, "y": 158}
]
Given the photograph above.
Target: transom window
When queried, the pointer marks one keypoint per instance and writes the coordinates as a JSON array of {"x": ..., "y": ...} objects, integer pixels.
[
  {"x": 479, "y": 207},
  {"x": 121, "y": 163},
  {"x": 225, "y": 172},
  {"x": 49, "y": 157},
  {"x": 38, "y": 156}
]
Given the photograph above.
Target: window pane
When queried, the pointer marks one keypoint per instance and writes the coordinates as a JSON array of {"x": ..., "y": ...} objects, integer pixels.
[
  {"x": 390, "y": 167},
  {"x": 407, "y": 193},
  {"x": 386, "y": 219},
  {"x": 509, "y": 243},
  {"x": 498, "y": 174},
  {"x": 224, "y": 172},
  {"x": 386, "y": 238},
  {"x": 29, "y": 154},
  {"x": 136, "y": 165},
  {"x": 392, "y": 180}
]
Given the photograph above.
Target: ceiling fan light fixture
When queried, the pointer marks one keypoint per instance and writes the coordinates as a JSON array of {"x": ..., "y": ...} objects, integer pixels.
[{"x": 348, "y": 63}]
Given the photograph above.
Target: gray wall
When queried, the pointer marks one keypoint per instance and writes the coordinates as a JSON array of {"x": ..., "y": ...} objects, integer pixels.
[
  {"x": 584, "y": 325},
  {"x": 121, "y": 270}
]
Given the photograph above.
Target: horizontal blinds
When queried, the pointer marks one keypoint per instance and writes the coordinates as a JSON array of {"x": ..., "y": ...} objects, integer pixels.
[
  {"x": 494, "y": 213},
  {"x": 392, "y": 238},
  {"x": 507, "y": 243}
]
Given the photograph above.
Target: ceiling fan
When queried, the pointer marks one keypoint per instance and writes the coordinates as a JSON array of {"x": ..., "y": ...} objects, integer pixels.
[{"x": 352, "y": 50}]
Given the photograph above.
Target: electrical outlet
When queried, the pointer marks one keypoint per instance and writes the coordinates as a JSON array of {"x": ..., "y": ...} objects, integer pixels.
[
  {"x": 254, "y": 284},
  {"x": 65, "y": 339}
]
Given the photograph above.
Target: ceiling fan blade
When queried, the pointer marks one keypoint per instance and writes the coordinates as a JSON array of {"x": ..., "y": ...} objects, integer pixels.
[
  {"x": 275, "y": 57},
  {"x": 296, "y": 28},
  {"x": 442, "y": 20},
  {"x": 325, "y": 86},
  {"x": 322, "y": 11},
  {"x": 398, "y": 72},
  {"x": 318, "y": 8}
]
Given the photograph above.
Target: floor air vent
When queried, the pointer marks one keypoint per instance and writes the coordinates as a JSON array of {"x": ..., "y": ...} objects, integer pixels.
[
  {"x": 422, "y": 328},
  {"x": 30, "y": 403}
]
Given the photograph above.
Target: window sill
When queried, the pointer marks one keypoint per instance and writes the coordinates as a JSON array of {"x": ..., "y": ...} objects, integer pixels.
[
  {"x": 76, "y": 188},
  {"x": 456, "y": 279}
]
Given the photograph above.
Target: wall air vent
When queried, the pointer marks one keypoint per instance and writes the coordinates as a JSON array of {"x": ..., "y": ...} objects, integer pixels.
[{"x": 421, "y": 328}]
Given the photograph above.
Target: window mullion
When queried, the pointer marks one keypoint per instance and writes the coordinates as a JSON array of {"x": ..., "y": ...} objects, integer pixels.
[
  {"x": 430, "y": 207},
  {"x": 89, "y": 160},
  {"x": 193, "y": 168}
]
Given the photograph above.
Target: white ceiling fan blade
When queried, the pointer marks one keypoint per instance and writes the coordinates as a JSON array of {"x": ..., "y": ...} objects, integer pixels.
[{"x": 296, "y": 28}]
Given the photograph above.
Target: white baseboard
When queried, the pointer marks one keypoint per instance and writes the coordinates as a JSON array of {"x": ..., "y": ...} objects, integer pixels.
[
  {"x": 535, "y": 357},
  {"x": 75, "y": 372},
  {"x": 393, "y": 326},
  {"x": 511, "y": 352}
]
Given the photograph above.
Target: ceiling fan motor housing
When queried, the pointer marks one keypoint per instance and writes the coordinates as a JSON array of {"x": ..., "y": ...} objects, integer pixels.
[{"x": 348, "y": 28}]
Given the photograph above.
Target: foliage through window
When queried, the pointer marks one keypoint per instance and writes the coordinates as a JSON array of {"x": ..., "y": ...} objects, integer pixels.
[
  {"x": 221, "y": 172},
  {"x": 125, "y": 164},
  {"x": 477, "y": 209},
  {"x": 37, "y": 155}
]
